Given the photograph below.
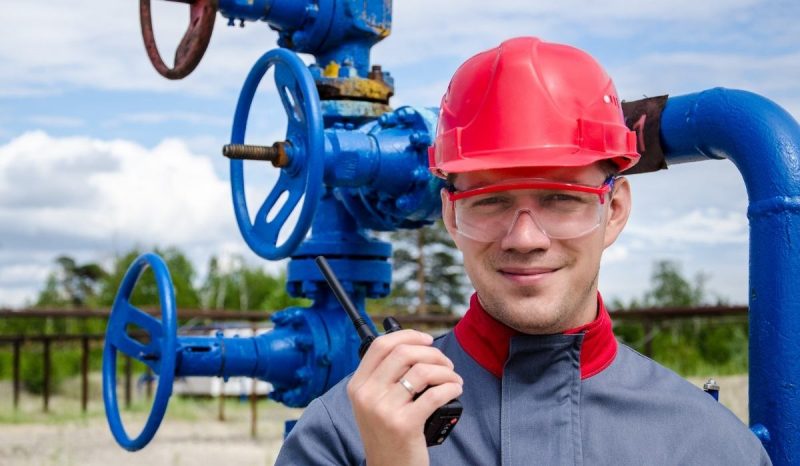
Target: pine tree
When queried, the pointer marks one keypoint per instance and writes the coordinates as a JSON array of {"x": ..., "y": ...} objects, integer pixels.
[{"x": 429, "y": 257}]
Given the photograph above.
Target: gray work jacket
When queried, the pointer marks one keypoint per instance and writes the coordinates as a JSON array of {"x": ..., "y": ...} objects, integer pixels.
[{"x": 541, "y": 411}]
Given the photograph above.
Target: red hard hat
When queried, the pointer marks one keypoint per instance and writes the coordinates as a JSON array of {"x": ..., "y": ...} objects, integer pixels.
[{"x": 529, "y": 103}]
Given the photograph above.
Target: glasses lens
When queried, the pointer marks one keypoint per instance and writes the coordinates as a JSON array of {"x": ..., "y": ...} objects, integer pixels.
[{"x": 561, "y": 214}]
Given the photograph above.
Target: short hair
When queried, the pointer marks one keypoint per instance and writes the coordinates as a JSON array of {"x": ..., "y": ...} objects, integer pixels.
[{"x": 609, "y": 167}]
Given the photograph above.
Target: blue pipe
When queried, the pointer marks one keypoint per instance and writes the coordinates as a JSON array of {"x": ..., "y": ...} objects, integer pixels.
[{"x": 763, "y": 141}]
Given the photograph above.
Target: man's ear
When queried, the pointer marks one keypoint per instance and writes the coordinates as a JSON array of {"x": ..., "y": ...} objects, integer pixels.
[
  {"x": 448, "y": 215},
  {"x": 619, "y": 210}
]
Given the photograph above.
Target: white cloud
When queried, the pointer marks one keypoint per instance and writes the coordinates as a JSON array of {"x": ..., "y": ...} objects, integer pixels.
[
  {"x": 427, "y": 94},
  {"x": 56, "y": 121},
  {"x": 156, "y": 118},
  {"x": 23, "y": 274},
  {"x": 616, "y": 253},
  {"x": 87, "y": 197},
  {"x": 678, "y": 73},
  {"x": 699, "y": 226},
  {"x": 424, "y": 30},
  {"x": 89, "y": 44},
  {"x": 693, "y": 214}
]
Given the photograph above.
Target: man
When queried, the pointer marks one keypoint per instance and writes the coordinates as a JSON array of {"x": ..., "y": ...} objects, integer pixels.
[{"x": 531, "y": 139}]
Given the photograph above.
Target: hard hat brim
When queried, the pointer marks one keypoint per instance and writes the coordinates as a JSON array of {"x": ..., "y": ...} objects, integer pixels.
[{"x": 569, "y": 156}]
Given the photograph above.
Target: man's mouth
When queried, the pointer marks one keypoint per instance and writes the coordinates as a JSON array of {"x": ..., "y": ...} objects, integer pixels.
[{"x": 526, "y": 275}]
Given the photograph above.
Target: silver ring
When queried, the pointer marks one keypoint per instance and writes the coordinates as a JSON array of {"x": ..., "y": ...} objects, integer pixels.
[{"x": 407, "y": 385}]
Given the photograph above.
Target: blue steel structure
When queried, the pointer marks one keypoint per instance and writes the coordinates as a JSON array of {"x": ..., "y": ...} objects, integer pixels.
[
  {"x": 358, "y": 165},
  {"x": 353, "y": 162},
  {"x": 763, "y": 141}
]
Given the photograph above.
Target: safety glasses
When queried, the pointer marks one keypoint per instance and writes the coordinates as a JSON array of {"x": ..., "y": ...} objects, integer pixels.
[{"x": 560, "y": 210}]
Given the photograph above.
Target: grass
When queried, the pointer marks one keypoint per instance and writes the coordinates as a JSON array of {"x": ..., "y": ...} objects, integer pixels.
[{"x": 65, "y": 407}]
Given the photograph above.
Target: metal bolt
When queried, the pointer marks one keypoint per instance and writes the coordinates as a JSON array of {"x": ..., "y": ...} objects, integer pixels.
[
  {"x": 293, "y": 288},
  {"x": 712, "y": 388},
  {"x": 376, "y": 73},
  {"x": 309, "y": 288},
  {"x": 711, "y": 384},
  {"x": 403, "y": 203},
  {"x": 294, "y": 316},
  {"x": 405, "y": 114},
  {"x": 299, "y": 37},
  {"x": 387, "y": 120},
  {"x": 292, "y": 397},
  {"x": 377, "y": 290},
  {"x": 304, "y": 342},
  {"x": 324, "y": 360},
  {"x": 276, "y": 154},
  {"x": 422, "y": 175},
  {"x": 304, "y": 373},
  {"x": 419, "y": 139}
]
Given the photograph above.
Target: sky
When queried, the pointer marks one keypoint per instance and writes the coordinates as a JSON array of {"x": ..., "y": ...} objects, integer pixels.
[{"x": 99, "y": 154}]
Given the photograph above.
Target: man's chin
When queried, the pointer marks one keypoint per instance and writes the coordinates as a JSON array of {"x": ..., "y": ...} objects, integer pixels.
[
  {"x": 546, "y": 325},
  {"x": 529, "y": 314}
]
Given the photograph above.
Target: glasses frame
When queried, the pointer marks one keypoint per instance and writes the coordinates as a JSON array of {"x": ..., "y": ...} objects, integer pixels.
[{"x": 533, "y": 183}]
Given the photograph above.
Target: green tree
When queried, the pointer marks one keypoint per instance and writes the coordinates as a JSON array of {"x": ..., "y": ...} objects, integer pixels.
[
  {"x": 181, "y": 271},
  {"x": 244, "y": 287},
  {"x": 71, "y": 285},
  {"x": 688, "y": 346},
  {"x": 428, "y": 275},
  {"x": 670, "y": 289}
]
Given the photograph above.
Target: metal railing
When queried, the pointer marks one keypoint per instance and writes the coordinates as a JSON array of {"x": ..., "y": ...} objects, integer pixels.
[{"x": 201, "y": 321}]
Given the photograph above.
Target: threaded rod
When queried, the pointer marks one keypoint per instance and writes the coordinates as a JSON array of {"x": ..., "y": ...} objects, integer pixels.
[{"x": 275, "y": 153}]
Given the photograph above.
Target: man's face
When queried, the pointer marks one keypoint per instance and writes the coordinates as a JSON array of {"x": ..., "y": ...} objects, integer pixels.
[{"x": 530, "y": 282}]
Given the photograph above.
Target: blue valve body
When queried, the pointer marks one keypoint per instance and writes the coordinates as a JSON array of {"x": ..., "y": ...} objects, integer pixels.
[
  {"x": 375, "y": 178},
  {"x": 339, "y": 31}
]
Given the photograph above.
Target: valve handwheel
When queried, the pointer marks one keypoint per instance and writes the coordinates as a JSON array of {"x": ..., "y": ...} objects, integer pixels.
[
  {"x": 302, "y": 168},
  {"x": 159, "y": 353},
  {"x": 195, "y": 40}
]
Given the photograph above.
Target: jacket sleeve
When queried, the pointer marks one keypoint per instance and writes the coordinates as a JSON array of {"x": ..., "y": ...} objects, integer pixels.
[{"x": 315, "y": 440}]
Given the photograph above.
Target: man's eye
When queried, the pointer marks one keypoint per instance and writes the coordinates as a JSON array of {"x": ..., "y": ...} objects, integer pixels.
[
  {"x": 489, "y": 201},
  {"x": 563, "y": 199}
]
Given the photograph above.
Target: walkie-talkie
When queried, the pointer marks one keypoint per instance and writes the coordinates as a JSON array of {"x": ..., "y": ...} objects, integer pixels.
[{"x": 442, "y": 421}]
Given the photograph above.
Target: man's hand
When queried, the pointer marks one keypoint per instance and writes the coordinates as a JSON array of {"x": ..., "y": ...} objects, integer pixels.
[{"x": 390, "y": 421}]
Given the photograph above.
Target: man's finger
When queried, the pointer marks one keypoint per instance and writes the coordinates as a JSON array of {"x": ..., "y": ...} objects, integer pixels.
[{"x": 381, "y": 347}]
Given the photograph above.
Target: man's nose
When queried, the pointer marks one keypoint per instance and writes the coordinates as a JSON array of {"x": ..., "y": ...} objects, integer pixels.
[{"x": 525, "y": 234}]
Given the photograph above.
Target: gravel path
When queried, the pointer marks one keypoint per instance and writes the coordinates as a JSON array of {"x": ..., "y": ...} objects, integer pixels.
[{"x": 178, "y": 442}]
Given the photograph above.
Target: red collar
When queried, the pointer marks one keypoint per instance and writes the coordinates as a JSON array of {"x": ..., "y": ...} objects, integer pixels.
[{"x": 487, "y": 340}]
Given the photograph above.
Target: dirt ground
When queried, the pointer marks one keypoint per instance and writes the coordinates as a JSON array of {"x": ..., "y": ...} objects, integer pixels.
[{"x": 189, "y": 435}]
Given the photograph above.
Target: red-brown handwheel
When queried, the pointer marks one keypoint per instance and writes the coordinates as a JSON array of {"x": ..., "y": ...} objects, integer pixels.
[{"x": 193, "y": 44}]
